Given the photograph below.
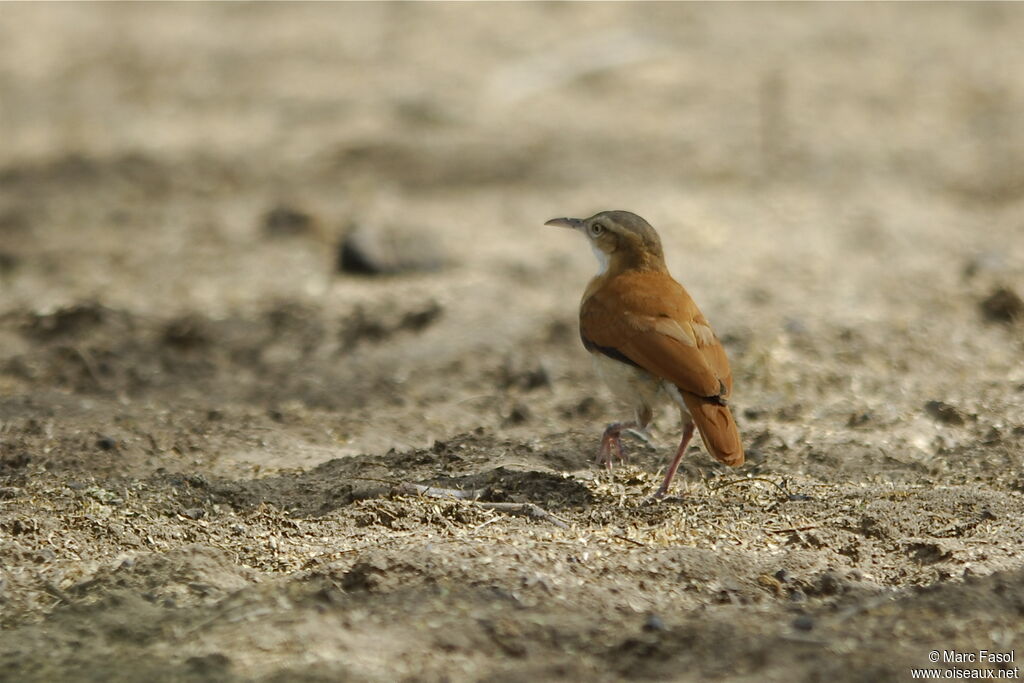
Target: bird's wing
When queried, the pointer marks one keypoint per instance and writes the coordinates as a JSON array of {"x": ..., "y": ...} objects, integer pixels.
[{"x": 649, "y": 320}]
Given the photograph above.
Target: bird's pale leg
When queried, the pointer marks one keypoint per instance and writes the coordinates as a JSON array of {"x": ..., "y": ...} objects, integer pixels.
[
  {"x": 611, "y": 441},
  {"x": 687, "y": 435}
]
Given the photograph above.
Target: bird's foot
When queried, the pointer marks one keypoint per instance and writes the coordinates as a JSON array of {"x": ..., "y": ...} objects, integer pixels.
[
  {"x": 611, "y": 444},
  {"x": 660, "y": 497},
  {"x": 610, "y": 451}
]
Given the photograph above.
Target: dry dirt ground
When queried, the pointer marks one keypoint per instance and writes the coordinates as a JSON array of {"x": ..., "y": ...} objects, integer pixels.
[{"x": 205, "y": 427}]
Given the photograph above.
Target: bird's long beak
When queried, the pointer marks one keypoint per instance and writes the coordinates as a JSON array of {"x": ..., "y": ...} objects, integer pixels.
[{"x": 573, "y": 223}]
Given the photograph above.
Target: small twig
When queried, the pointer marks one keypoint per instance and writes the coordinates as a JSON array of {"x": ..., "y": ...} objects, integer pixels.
[
  {"x": 471, "y": 496},
  {"x": 408, "y": 489},
  {"x": 436, "y": 492},
  {"x": 807, "y": 640},
  {"x": 726, "y": 531},
  {"x": 628, "y": 540},
  {"x": 478, "y": 527},
  {"x": 746, "y": 479},
  {"x": 525, "y": 509},
  {"x": 389, "y": 482},
  {"x": 473, "y": 398},
  {"x": 791, "y": 530}
]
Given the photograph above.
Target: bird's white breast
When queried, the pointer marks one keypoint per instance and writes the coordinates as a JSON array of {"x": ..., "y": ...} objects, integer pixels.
[
  {"x": 602, "y": 259},
  {"x": 630, "y": 384},
  {"x": 634, "y": 386}
]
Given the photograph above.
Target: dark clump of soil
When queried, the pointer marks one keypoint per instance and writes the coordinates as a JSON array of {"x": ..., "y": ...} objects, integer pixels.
[
  {"x": 287, "y": 221},
  {"x": 1003, "y": 305}
]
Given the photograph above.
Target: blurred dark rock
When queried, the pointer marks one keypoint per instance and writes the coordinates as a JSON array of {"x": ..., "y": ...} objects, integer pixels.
[
  {"x": 653, "y": 623},
  {"x": 519, "y": 414},
  {"x": 944, "y": 413},
  {"x": 287, "y": 221},
  {"x": 211, "y": 666},
  {"x": 381, "y": 323},
  {"x": 370, "y": 250},
  {"x": 70, "y": 320},
  {"x": 859, "y": 419},
  {"x": 8, "y": 262},
  {"x": 185, "y": 333},
  {"x": 106, "y": 443},
  {"x": 992, "y": 436},
  {"x": 588, "y": 406},
  {"x": 527, "y": 374},
  {"x": 804, "y": 622},
  {"x": 561, "y": 331},
  {"x": 1003, "y": 305},
  {"x": 420, "y": 319},
  {"x": 829, "y": 582},
  {"x": 365, "y": 575},
  {"x": 927, "y": 552}
]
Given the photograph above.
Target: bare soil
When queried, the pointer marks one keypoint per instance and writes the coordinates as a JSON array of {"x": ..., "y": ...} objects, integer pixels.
[{"x": 205, "y": 426}]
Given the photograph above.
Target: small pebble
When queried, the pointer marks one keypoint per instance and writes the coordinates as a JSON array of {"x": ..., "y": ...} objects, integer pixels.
[
  {"x": 803, "y": 623},
  {"x": 213, "y": 665},
  {"x": 830, "y": 583},
  {"x": 519, "y": 414},
  {"x": 654, "y": 623},
  {"x": 859, "y": 419}
]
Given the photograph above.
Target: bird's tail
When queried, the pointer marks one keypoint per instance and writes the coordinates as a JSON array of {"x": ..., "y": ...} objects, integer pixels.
[{"x": 717, "y": 428}]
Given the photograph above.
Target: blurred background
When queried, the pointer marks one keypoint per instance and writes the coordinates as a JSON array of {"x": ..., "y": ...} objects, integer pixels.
[{"x": 216, "y": 181}]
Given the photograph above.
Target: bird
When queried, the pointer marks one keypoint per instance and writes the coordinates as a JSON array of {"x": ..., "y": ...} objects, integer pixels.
[{"x": 650, "y": 343}]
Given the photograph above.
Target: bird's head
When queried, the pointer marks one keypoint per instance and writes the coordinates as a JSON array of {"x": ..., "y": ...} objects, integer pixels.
[{"x": 620, "y": 239}]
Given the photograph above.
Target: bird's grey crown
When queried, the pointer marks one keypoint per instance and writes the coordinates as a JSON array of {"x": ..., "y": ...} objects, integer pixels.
[{"x": 630, "y": 222}]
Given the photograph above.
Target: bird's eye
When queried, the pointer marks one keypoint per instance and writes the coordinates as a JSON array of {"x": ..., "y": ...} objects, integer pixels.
[{"x": 596, "y": 229}]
